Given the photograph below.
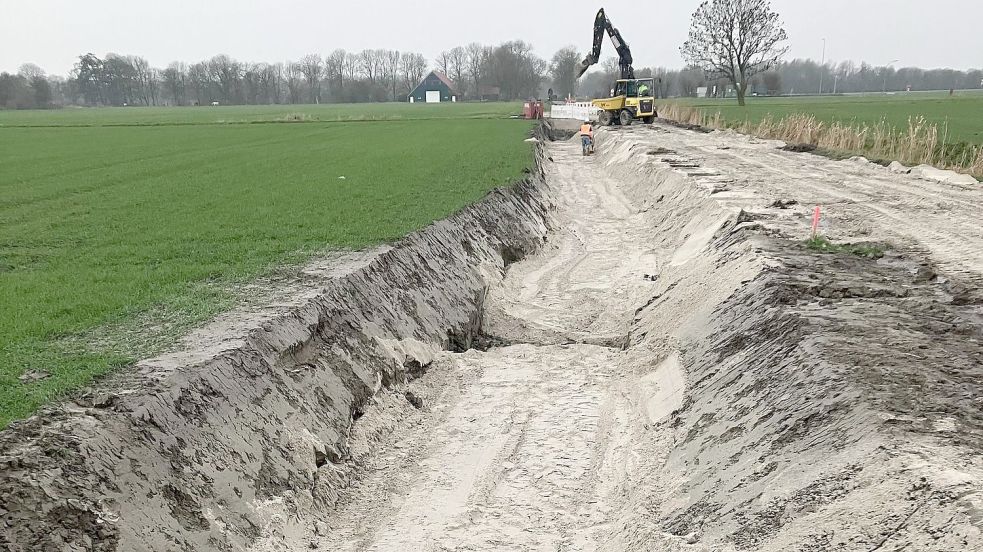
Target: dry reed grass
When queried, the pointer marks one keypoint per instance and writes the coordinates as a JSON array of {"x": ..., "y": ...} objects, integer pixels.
[{"x": 920, "y": 143}]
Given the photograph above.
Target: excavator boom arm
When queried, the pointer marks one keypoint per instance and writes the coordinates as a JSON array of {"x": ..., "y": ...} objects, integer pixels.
[{"x": 603, "y": 25}]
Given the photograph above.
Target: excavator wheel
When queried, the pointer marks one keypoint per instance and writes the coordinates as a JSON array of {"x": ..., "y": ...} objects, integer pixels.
[
  {"x": 625, "y": 117},
  {"x": 605, "y": 118},
  {"x": 648, "y": 120}
]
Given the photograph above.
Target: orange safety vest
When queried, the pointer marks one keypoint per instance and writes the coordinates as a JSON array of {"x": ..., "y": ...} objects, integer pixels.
[{"x": 586, "y": 130}]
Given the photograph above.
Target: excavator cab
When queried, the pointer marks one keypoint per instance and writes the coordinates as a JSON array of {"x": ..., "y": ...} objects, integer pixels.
[{"x": 632, "y": 99}]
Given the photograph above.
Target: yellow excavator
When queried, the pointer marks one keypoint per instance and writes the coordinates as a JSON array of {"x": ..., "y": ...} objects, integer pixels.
[{"x": 631, "y": 98}]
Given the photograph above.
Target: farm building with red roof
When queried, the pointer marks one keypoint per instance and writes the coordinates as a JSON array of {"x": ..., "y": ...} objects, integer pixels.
[{"x": 435, "y": 88}]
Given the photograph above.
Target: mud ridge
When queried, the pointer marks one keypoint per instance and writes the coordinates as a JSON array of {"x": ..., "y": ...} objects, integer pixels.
[{"x": 195, "y": 451}]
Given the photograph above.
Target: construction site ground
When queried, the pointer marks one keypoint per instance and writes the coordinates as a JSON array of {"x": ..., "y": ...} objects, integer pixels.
[
  {"x": 675, "y": 370},
  {"x": 660, "y": 362}
]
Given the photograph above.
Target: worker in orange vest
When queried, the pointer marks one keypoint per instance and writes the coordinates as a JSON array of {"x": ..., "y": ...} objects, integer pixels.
[{"x": 587, "y": 137}]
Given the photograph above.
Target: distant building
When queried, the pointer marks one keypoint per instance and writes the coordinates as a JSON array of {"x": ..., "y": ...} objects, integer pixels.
[
  {"x": 434, "y": 88},
  {"x": 488, "y": 93}
]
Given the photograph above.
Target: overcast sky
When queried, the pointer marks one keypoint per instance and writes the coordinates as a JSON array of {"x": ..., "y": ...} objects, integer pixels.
[{"x": 52, "y": 33}]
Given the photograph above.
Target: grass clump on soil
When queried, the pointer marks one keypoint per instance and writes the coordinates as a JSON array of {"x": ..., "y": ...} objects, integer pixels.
[
  {"x": 822, "y": 244},
  {"x": 100, "y": 225},
  {"x": 921, "y": 129}
]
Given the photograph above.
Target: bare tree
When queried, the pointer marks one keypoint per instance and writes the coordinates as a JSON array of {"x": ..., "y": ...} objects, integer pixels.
[
  {"x": 350, "y": 66},
  {"x": 476, "y": 55},
  {"x": 153, "y": 85},
  {"x": 295, "y": 79},
  {"x": 563, "y": 71},
  {"x": 664, "y": 80},
  {"x": 277, "y": 72},
  {"x": 444, "y": 63},
  {"x": 772, "y": 81},
  {"x": 735, "y": 39},
  {"x": 119, "y": 78},
  {"x": 30, "y": 71},
  {"x": 515, "y": 69},
  {"x": 418, "y": 68},
  {"x": 256, "y": 84},
  {"x": 390, "y": 70},
  {"x": 36, "y": 78},
  {"x": 413, "y": 68},
  {"x": 458, "y": 67},
  {"x": 43, "y": 94},
  {"x": 228, "y": 74},
  {"x": 312, "y": 67},
  {"x": 597, "y": 84},
  {"x": 369, "y": 64},
  {"x": 199, "y": 79},
  {"x": 148, "y": 80},
  {"x": 690, "y": 80},
  {"x": 175, "y": 82},
  {"x": 334, "y": 69}
]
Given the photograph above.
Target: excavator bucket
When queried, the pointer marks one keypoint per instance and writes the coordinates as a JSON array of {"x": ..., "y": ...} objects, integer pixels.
[
  {"x": 600, "y": 24},
  {"x": 583, "y": 66}
]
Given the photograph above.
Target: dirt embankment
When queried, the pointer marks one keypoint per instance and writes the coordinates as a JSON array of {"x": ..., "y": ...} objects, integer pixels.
[
  {"x": 833, "y": 401},
  {"x": 675, "y": 370},
  {"x": 633, "y": 351},
  {"x": 199, "y": 450}
]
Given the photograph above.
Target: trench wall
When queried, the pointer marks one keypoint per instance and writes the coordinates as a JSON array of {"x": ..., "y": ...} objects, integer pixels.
[
  {"x": 194, "y": 456},
  {"x": 818, "y": 387}
]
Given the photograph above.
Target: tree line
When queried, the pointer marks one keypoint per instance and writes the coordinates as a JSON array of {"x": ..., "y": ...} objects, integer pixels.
[
  {"x": 804, "y": 76},
  {"x": 509, "y": 71},
  {"x": 30, "y": 88},
  {"x": 798, "y": 76}
]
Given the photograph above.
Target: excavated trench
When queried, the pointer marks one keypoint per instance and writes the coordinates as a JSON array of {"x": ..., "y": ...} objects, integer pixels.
[{"x": 632, "y": 351}]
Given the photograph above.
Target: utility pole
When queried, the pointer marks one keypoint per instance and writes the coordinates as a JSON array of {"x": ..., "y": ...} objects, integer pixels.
[{"x": 822, "y": 69}]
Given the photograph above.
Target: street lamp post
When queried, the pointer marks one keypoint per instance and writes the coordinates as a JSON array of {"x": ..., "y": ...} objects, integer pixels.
[{"x": 822, "y": 69}]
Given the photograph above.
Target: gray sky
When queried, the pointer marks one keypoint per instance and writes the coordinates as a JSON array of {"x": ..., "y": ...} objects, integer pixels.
[{"x": 52, "y": 33}]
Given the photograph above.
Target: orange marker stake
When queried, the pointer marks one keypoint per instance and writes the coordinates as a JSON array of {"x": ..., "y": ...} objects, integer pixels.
[{"x": 815, "y": 221}]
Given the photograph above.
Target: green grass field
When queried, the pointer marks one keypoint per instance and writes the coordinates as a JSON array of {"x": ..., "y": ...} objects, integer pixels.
[
  {"x": 963, "y": 113},
  {"x": 132, "y": 116},
  {"x": 101, "y": 223}
]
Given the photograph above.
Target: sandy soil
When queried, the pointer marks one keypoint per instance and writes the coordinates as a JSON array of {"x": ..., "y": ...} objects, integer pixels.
[
  {"x": 633, "y": 351},
  {"x": 675, "y": 371}
]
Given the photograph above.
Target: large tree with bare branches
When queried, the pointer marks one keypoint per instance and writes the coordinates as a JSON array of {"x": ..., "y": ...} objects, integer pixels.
[
  {"x": 563, "y": 71},
  {"x": 390, "y": 63},
  {"x": 458, "y": 68},
  {"x": 735, "y": 39},
  {"x": 413, "y": 68},
  {"x": 312, "y": 67},
  {"x": 475, "y": 56}
]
